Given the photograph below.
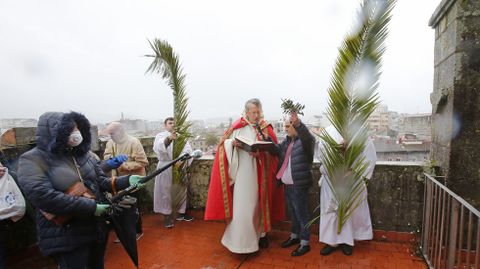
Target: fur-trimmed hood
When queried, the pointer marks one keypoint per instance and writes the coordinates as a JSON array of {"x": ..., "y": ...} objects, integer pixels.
[{"x": 53, "y": 131}]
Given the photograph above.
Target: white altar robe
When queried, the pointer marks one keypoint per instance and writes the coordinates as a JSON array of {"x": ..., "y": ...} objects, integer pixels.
[
  {"x": 244, "y": 229},
  {"x": 359, "y": 226},
  {"x": 162, "y": 197}
]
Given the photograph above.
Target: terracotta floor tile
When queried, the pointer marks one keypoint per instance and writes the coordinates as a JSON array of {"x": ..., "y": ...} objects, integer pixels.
[
  {"x": 265, "y": 266},
  {"x": 299, "y": 265},
  {"x": 197, "y": 245}
]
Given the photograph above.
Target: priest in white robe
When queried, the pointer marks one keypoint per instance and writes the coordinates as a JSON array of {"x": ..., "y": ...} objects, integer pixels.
[
  {"x": 242, "y": 189},
  {"x": 359, "y": 226}
]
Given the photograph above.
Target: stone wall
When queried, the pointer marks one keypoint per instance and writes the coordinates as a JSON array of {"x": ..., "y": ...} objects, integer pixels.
[
  {"x": 395, "y": 192},
  {"x": 456, "y": 96}
]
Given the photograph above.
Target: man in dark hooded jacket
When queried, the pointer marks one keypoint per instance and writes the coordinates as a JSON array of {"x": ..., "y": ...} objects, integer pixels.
[{"x": 61, "y": 159}]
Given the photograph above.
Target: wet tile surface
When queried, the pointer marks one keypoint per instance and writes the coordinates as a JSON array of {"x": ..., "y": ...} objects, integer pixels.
[{"x": 197, "y": 245}]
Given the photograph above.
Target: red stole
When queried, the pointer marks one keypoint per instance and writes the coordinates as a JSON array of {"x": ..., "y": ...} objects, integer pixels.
[{"x": 219, "y": 199}]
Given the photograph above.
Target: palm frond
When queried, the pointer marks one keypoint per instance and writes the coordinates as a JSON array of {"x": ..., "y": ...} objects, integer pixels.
[
  {"x": 352, "y": 99},
  {"x": 167, "y": 64},
  {"x": 288, "y": 107}
]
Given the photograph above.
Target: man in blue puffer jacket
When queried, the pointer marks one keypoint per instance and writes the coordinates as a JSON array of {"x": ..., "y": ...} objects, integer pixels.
[
  {"x": 61, "y": 159},
  {"x": 295, "y": 164}
]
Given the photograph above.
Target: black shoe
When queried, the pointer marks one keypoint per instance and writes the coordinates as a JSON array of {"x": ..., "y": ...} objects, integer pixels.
[
  {"x": 263, "y": 242},
  {"x": 326, "y": 250},
  {"x": 184, "y": 217},
  {"x": 168, "y": 221},
  {"x": 290, "y": 242},
  {"x": 347, "y": 249},
  {"x": 301, "y": 250}
]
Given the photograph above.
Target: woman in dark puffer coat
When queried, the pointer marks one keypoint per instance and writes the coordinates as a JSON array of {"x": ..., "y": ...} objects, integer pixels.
[{"x": 61, "y": 158}]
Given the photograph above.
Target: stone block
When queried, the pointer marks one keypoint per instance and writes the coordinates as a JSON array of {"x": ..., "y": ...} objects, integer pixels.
[
  {"x": 395, "y": 196},
  {"x": 445, "y": 45},
  {"x": 446, "y": 73},
  {"x": 452, "y": 15},
  {"x": 95, "y": 142},
  {"x": 147, "y": 143},
  {"x": 18, "y": 136}
]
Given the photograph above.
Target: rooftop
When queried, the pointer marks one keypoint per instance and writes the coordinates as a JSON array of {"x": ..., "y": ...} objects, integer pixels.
[{"x": 197, "y": 245}]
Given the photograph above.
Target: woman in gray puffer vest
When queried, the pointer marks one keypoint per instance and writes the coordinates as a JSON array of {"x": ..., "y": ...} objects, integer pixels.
[{"x": 61, "y": 158}]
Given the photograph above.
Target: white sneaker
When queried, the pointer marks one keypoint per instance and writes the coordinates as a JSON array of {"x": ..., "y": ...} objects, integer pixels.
[{"x": 184, "y": 217}]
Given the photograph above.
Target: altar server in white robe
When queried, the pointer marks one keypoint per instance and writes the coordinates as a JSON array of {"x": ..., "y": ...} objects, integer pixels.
[
  {"x": 359, "y": 226},
  {"x": 162, "y": 200}
]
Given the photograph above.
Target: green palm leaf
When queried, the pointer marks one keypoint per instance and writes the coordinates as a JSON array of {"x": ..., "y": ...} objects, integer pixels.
[
  {"x": 352, "y": 99},
  {"x": 166, "y": 63}
]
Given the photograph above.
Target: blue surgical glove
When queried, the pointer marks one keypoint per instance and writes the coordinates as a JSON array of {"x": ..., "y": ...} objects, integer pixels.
[
  {"x": 101, "y": 209},
  {"x": 116, "y": 161},
  {"x": 134, "y": 181}
]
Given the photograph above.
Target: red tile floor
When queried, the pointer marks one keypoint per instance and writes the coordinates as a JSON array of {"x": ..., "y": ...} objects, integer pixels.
[{"x": 197, "y": 245}]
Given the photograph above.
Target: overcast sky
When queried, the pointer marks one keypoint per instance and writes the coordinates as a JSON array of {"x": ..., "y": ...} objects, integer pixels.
[{"x": 86, "y": 55}]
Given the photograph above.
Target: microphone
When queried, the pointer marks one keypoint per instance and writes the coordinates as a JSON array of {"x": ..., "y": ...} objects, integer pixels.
[
  {"x": 260, "y": 131},
  {"x": 196, "y": 154}
]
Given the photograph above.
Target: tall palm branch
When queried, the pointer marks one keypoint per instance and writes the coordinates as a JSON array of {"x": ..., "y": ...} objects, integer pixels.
[
  {"x": 167, "y": 64},
  {"x": 352, "y": 98}
]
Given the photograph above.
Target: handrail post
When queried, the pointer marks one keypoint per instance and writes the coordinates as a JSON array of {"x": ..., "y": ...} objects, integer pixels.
[{"x": 453, "y": 234}]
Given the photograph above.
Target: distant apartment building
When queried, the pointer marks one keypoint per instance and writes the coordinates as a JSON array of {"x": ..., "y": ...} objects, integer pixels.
[
  {"x": 403, "y": 151},
  {"x": 156, "y": 125},
  {"x": 12, "y": 123},
  {"x": 277, "y": 126},
  {"x": 134, "y": 126},
  {"x": 318, "y": 121},
  {"x": 417, "y": 124},
  {"x": 393, "y": 120},
  {"x": 198, "y": 124},
  {"x": 199, "y": 143},
  {"x": 6, "y": 124},
  {"x": 379, "y": 120}
]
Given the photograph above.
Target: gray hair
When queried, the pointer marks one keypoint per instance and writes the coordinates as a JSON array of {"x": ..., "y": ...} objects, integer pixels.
[{"x": 254, "y": 101}]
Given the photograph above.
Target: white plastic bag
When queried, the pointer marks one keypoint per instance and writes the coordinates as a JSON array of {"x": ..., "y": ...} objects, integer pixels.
[{"x": 12, "y": 203}]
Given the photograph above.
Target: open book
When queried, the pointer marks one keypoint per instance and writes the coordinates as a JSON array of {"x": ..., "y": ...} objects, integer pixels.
[{"x": 249, "y": 145}]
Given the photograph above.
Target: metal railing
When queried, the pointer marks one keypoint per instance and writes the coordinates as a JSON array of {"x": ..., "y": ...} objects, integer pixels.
[{"x": 451, "y": 229}]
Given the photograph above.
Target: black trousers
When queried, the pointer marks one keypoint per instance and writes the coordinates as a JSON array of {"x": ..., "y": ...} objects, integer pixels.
[
  {"x": 139, "y": 220},
  {"x": 3, "y": 242},
  {"x": 89, "y": 256}
]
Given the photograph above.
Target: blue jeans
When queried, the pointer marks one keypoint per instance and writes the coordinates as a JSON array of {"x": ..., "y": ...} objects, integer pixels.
[{"x": 297, "y": 206}]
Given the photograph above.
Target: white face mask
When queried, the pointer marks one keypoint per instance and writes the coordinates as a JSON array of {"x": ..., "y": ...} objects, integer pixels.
[{"x": 75, "y": 139}]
